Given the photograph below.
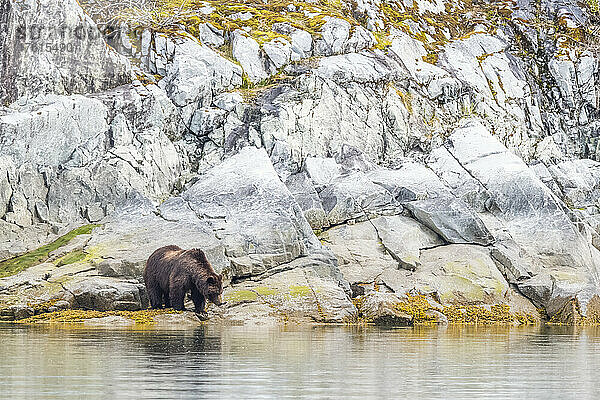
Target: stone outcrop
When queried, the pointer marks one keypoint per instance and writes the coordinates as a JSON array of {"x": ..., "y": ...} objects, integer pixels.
[{"x": 193, "y": 72}]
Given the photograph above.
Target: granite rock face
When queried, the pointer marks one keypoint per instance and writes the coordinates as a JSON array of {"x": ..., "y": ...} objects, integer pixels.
[
  {"x": 104, "y": 150},
  {"x": 51, "y": 46},
  {"x": 248, "y": 53},
  {"x": 193, "y": 72},
  {"x": 313, "y": 156}
]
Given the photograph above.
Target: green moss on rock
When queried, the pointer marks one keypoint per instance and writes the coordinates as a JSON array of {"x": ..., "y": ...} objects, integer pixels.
[
  {"x": 422, "y": 312},
  {"x": 265, "y": 291},
  {"x": 71, "y": 258},
  {"x": 20, "y": 263},
  {"x": 300, "y": 291},
  {"x": 239, "y": 296}
]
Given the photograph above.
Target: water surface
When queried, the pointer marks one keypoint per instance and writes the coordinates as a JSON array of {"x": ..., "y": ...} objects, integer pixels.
[{"x": 62, "y": 362}]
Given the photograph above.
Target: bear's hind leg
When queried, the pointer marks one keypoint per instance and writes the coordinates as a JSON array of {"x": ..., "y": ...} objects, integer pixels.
[
  {"x": 177, "y": 296},
  {"x": 155, "y": 296}
]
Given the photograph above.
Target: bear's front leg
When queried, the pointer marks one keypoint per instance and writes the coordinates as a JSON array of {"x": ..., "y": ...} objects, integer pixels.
[
  {"x": 167, "y": 299},
  {"x": 199, "y": 300}
]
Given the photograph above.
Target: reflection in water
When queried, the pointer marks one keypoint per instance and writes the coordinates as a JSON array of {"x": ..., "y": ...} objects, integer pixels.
[{"x": 310, "y": 362}]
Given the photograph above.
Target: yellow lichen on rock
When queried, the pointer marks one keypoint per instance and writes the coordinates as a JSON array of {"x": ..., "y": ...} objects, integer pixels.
[
  {"x": 76, "y": 316},
  {"x": 265, "y": 291},
  {"x": 495, "y": 314},
  {"x": 257, "y": 21},
  {"x": 423, "y": 310},
  {"x": 300, "y": 291},
  {"x": 383, "y": 40},
  {"x": 419, "y": 308},
  {"x": 43, "y": 307},
  {"x": 71, "y": 258},
  {"x": 240, "y": 296}
]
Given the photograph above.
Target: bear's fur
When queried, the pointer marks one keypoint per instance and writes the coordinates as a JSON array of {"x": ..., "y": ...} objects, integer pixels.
[{"x": 171, "y": 272}]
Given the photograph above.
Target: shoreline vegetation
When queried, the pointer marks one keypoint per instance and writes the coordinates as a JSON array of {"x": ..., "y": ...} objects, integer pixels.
[
  {"x": 417, "y": 311},
  {"x": 142, "y": 317}
]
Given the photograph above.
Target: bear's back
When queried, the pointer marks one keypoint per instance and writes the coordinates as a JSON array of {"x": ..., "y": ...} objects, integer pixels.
[
  {"x": 171, "y": 259},
  {"x": 161, "y": 263},
  {"x": 197, "y": 261}
]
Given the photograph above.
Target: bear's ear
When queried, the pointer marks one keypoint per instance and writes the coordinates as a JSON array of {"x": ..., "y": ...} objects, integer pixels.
[
  {"x": 198, "y": 252},
  {"x": 199, "y": 255}
]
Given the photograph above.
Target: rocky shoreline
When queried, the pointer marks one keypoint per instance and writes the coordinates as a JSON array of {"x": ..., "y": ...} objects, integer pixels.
[
  {"x": 382, "y": 310},
  {"x": 337, "y": 163}
]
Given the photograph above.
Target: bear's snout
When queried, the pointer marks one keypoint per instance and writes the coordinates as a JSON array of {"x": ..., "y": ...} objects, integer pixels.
[{"x": 217, "y": 300}]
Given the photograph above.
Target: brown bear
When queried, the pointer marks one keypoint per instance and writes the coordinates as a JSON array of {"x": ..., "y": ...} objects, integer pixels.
[{"x": 171, "y": 272}]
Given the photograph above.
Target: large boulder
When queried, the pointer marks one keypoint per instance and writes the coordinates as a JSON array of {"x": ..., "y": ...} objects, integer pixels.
[
  {"x": 355, "y": 196},
  {"x": 334, "y": 34},
  {"x": 384, "y": 309},
  {"x": 106, "y": 294},
  {"x": 305, "y": 293},
  {"x": 531, "y": 215},
  {"x": 432, "y": 203},
  {"x": 251, "y": 211},
  {"x": 247, "y": 52},
  {"x": 360, "y": 256},
  {"x": 404, "y": 238}
]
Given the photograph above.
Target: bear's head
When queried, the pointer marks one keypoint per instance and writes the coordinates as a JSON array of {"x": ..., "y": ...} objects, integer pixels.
[
  {"x": 209, "y": 283},
  {"x": 214, "y": 289}
]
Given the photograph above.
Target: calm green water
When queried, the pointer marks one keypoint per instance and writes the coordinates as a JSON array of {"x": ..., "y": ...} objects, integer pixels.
[{"x": 315, "y": 362}]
